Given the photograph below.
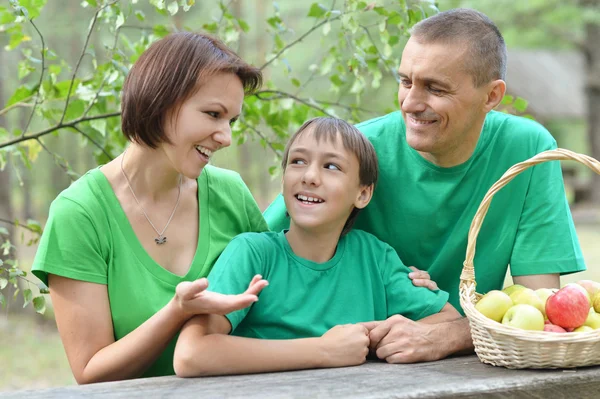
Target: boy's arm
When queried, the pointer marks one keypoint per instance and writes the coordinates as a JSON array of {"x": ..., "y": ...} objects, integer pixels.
[{"x": 204, "y": 349}]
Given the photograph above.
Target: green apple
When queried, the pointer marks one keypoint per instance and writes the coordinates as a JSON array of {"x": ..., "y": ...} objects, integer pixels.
[
  {"x": 596, "y": 302},
  {"x": 525, "y": 317},
  {"x": 527, "y": 296},
  {"x": 593, "y": 320},
  {"x": 494, "y": 305},
  {"x": 583, "y": 329},
  {"x": 512, "y": 288},
  {"x": 544, "y": 294}
]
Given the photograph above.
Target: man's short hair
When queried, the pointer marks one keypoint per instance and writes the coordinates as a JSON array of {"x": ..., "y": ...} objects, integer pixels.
[
  {"x": 329, "y": 128},
  {"x": 169, "y": 72},
  {"x": 486, "y": 54}
]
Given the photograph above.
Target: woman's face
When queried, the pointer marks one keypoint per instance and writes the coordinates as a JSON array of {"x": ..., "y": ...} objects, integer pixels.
[{"x": 203, "y": 124}]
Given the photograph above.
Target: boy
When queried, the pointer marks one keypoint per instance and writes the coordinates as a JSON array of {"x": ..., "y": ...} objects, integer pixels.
[{"x": 325, "y": 279}]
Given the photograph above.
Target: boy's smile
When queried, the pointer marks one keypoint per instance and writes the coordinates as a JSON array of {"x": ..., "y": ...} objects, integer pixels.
[{"x": 320, "y": 183}]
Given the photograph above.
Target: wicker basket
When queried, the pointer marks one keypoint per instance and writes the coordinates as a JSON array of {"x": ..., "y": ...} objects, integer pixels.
[{"x": 501, "y": 345}]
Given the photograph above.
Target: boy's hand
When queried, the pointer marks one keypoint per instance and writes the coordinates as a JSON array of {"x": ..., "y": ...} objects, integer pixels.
[
  {"x": 345, "y": 345},
  {"x": 192, "y": 298},
  {"x": 421, "y": 278}
]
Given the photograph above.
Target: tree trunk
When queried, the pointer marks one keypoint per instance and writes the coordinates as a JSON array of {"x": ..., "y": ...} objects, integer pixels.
[{"x": 592, "y": 57}]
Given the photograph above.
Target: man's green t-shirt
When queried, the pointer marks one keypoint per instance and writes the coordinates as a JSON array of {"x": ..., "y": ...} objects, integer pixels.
[
  {"x": 88, "y": 237},
  {"x": 424, "y": 211},
  {"x": 364, "y": 281}
]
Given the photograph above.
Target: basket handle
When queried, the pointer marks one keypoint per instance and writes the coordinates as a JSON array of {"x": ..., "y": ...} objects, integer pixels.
[{"x": 468, "y": 272}]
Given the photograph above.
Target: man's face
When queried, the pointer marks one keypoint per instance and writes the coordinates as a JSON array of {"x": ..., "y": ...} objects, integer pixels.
[{"x": 443, "y": 110}]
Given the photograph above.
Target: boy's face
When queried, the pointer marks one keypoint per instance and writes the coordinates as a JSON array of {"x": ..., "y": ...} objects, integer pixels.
[{"x": 321, "y": 184}]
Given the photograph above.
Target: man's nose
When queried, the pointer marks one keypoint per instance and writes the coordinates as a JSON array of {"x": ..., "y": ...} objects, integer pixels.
[{"x": 412, "y": 100}]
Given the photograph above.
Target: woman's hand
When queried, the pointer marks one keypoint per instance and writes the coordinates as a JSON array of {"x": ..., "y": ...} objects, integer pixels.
[
  {"x": 421, "y": 278},
  {"x": 192, "y": 298}
]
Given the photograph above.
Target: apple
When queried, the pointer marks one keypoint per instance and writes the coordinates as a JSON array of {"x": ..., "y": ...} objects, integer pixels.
[
  {"x": 568, "y": 307},
  {"x": 512, "y": 288},
  {"x": 527, "y": 296},
  {"x": 579, "y": 287},
  {"x": 552, "y": 328},
  {"x": 525, "y": 317},
  {"x": 592, "y": 287},
  {"x": 544, "y": 294},
  {"x": 494, "y": 305},
  {"x": 583, "y": 329},
  {"x": 592, "y": 320},
  {"x": 596, "y": 302}
]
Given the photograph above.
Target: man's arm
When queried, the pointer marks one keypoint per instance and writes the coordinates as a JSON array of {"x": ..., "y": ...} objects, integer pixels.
[{"x": 204, "y": 349}]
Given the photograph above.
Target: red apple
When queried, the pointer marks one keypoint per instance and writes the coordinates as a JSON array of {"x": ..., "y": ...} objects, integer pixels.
[
  {"x": 553, "y": 328},
  {"x": 569, "y": 307}
]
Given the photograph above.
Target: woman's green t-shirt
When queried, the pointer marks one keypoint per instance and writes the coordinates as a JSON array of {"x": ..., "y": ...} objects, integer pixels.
[{"x": 88, "y": 237}]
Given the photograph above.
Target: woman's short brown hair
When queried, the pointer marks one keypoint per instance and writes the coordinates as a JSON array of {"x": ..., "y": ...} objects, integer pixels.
[
  {"x": 329, "y": 128},
  {"x": 169, "y": 72}
]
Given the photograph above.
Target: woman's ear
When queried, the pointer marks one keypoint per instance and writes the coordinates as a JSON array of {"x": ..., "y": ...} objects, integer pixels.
[{"x": 364, "y": 196}]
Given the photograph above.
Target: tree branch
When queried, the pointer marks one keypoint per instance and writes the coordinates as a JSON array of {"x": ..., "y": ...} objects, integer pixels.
[
  {"x": 37, "y": 95},
  {"x": 281, "y": 94},
  {"x": 15, "y": 105},
  {"x": 57, "y": 158},
  {"x": 262, "y": 136},
  {"x": 308, "y": 32},
  {"x": 87, "y": 136},
  {"x": 16, "y": 224},
  {"x": 59, "y": 126},
  {"x": 381, "y": 56},
  {"x": 83, "y": 51}
]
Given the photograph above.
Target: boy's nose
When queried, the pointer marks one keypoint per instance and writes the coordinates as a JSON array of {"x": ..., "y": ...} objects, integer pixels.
[{"x": 311, "y": 176}]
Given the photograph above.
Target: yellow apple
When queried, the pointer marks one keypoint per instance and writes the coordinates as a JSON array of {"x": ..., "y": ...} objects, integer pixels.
[
  {"x": 596, "y": 302},
  {"x": 512, "y": 288},
  {"x": 527, "y": 296},
  {"x": 593, "y": 320},
  {"x": 583, "y": 329},
  {"x": 494, "y": 305},
  {"x": 544, "y": 294},
  {"x": 592, "y": 287},
  {"x": 525, "y": 317}
]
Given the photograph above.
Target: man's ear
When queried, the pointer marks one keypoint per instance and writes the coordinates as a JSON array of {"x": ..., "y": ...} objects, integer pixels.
[
  {"x": 495, "y": 94},
  {"x": 364, "y": 196}
]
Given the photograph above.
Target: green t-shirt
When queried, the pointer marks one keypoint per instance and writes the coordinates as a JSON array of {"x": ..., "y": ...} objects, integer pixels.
[
  {"x": 88, "y": 237},
  {"x": 364, "y": 281},
  {"x": 424, "y": 211}
]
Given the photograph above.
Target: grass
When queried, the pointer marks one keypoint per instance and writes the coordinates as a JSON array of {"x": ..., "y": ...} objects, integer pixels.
[{"x": 32, "y": 356}]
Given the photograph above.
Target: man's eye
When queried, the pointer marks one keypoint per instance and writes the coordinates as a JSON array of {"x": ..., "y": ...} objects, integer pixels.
[
  {"x": 332, "y": 166},
  {"x": 435, "y": 91},
  {"x": 405, "y": 83}
]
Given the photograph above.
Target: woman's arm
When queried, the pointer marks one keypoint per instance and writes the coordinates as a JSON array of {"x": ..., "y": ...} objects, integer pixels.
[
  {"x": 204, "y": 349},
  {"x": 84, "y": 321}
]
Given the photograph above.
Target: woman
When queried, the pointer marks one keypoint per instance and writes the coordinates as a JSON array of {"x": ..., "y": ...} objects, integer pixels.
[{"x": 126, "y": 247}]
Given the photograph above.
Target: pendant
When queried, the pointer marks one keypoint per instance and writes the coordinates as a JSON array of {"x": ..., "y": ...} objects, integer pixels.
[{"x": 160, "y": 240}]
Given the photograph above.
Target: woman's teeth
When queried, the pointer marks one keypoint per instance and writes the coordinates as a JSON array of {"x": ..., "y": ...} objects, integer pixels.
[{"x": 204, "y": 151}]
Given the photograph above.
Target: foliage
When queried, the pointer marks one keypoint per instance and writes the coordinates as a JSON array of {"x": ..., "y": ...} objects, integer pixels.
[{"x": 360, "y": 45}]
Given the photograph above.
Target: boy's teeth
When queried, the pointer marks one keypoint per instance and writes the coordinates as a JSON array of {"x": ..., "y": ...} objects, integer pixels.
[{"x": 309, "y": 199}]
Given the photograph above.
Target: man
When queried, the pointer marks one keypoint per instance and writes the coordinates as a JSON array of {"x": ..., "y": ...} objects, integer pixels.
[{"x": 438, "y": 157}]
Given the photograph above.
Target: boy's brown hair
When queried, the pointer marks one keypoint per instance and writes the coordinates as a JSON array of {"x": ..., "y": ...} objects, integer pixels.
[
  {"x": 329, "y": 128},
  {"x": 169, "y": 72}
]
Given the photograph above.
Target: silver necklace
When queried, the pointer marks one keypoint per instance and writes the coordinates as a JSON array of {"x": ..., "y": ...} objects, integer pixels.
[{"x": 161, "y": 239}]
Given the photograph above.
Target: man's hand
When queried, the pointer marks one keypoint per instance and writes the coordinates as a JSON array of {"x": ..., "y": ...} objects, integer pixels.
[
  {"x": 421, "y": 278},
  {"x": 345, "y": 345},
  {"x": 401, "y": 340},
  {"x": 192, "y": 298}
]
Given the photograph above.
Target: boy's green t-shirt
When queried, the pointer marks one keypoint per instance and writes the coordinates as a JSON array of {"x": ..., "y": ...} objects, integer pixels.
[
  {"x": 364, "y": 281},
  {"x": 88, "y": 237},
  {"x": 424, "y": 211}
]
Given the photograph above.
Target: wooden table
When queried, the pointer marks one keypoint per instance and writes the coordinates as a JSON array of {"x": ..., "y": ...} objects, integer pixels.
[{"x": 459, "y": 377}]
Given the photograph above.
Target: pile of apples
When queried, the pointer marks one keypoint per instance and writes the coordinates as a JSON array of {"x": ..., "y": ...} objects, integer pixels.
[{"x": 573, "y": 308}]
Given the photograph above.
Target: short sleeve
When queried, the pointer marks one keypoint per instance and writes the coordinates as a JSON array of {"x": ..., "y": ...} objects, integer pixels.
[
  {"x": 70, "y": 246},
  {"x": 276, "y": 215},
  {"x": 402, "y": 296},
  {"x": 255, "y": 217},
  {"x": 546, "y": 241},
  {"x": 233, "y": 271}
]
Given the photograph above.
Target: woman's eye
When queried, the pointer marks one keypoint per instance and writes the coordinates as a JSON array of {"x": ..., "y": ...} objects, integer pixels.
[
  {"x": 213, "y": 114},
  {"x": 332, "y": 166},
  {"x": 231, "y": 122}
]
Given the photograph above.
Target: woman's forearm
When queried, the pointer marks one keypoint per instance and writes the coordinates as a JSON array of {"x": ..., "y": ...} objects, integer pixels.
[{"x": 133, "y": 354}]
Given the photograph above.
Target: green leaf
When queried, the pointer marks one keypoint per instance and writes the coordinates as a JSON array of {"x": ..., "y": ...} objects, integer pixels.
[
  {"x": 27, "y": 297},
  {"x": 507, "y": 100},
  {"x": 140, "y": 15},
  {"x": 173, "y": 7},
  {"x": 39, "y": 304},
  {"x": 120, "y": 20},
  {"x": 296, "y": 82},
  {"x": 21, "y": 93},
  {"x": 317, "y": 10},
  {"x": 2, "y": 300},
  {"x": 43, "y": 288},
  {"x": 3, "y": 283},
  {"x": 520, "y": 104},
  {"x": 3, "y": 232}
]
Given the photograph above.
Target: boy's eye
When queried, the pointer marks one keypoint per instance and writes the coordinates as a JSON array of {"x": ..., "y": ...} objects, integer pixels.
[
  {"x": 332, "y": 166},
  {"x": 297, "y": 162}
]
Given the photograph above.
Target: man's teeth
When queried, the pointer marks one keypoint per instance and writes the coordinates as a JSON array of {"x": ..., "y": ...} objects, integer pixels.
[
  {"x": 205, "y": 151},
  {"x": 309, "y": 199}
]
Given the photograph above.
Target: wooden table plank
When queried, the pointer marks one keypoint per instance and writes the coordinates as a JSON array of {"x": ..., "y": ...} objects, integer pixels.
[{"x": 460, "y": 377}]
